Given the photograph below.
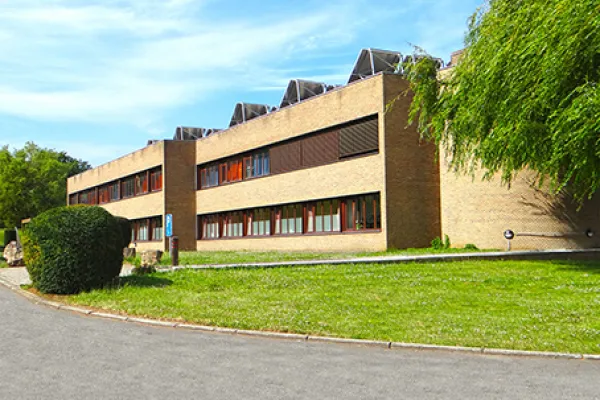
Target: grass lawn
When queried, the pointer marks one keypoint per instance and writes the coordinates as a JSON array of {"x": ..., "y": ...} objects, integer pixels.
[
  {"x": 236, "y": 257},
  {"x": 530, "y": 305}
]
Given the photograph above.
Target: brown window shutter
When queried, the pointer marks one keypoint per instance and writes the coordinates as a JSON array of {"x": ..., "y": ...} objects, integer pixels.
[
  {"x": 286, "y": 157},
  {"x": 359, "y": 137},
  {"x": 320, "y": 149}
]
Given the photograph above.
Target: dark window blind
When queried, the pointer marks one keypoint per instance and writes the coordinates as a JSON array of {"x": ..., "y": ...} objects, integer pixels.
[
  {"x": 320, "y": 149},
  {"x": 360, "y": 137},
  {"x": 286, "y": 157}
]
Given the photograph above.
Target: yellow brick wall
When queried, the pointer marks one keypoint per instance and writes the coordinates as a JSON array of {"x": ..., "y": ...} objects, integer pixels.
[
  {"x": 179, "y": 185},
  {"x": 326, "y": 243},
  {"x": 146, "y": 205},
  {"x": 411, "y": 175},
  {"x": 478, "y": 212},
  {"x": 352, "y": 102},
  {"x": 140, "y": 160}
]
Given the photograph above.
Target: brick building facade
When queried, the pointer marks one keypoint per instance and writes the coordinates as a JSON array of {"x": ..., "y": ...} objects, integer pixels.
[{"x": 333, "y": 172}]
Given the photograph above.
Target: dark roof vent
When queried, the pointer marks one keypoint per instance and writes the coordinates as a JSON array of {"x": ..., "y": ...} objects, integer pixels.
[
  {"x": 299, "y": 89},
  {"x": 373, "y": 61},
  {"x": 191, "y": 133},
  {"x": 246, "y": 111}
]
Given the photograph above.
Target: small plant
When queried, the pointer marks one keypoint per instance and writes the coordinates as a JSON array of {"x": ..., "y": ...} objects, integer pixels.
[
  {"x": 471, "y": 246},
  {"x": 447, "y": 243},
  {"x": 439, "y": 244}
]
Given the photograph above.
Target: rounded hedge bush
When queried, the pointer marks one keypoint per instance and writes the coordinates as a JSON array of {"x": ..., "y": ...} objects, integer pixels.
[
  {"x": 72, "y": 249},
  {"x": 125, "y": 226}
]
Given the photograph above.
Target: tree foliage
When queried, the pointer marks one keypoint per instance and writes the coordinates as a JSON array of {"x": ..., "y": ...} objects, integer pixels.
[
  {"x": 32, "y": 180},
  {"x": 525, "y": 94}
]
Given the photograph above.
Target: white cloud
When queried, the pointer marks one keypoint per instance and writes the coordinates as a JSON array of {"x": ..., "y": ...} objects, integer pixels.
[{"x": 130, "y": 62}]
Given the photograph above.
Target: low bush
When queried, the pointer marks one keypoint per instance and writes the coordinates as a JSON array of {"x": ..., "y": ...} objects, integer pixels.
[{"x": 73, "y": 249}]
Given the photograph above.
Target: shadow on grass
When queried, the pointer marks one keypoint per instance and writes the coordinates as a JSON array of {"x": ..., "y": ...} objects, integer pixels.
[
  {"x": 583, "y": 266},
  {"x": 145, "y": 281}
]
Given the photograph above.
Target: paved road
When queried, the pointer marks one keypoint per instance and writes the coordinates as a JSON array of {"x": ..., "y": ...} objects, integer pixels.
[{"x": 51, "y": 354}]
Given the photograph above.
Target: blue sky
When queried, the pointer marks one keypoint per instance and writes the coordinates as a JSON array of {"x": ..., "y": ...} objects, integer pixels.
[{"x": 99, "y": 78}]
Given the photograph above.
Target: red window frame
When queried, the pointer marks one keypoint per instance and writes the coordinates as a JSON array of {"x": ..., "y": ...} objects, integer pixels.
[
  {"x": 156, "y": 180},
  {"x": 223, "y": 173}
]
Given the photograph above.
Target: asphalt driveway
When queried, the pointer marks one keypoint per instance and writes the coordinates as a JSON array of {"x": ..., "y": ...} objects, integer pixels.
[{"x": 52, "y": 354}]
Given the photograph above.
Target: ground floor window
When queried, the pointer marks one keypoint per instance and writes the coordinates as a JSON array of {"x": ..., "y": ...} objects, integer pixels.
[
  {"x": 350, "y": 214},
  {"x": 147, "y": 229}
]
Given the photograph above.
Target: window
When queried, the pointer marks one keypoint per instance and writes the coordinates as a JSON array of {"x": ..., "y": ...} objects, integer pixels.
[
  {"x": 356, "y": 213},
  {"x": 223, "y": 173},
  {"x": 73, "y": 199},
  {"x": 210, "y": 227},
  {"x": 260, "y": 164},
  {"x": 323, "y": 216},
  {"x": 311, "y": 150},
  {"x": 256, "y": 165},
  {"x": 209, "y": 176},
  {"x": 128, "y": 187},
  {"x": 142, "y": 230},
  {"x": 88, "y": 197},
  {"x": 234, "y": 171},
  {"x": 362, "y": 213},
  {"x": 233, "y": 224},
  {"x": 113, "y": 191},
  {"x": 156, "y": 179},
  {"x": 156, "y": 228},
  {"x": 359, "y": 137},
  {"x": 103, "y": 195},
  {"x": 259, "y": 222},
  {"x": 288, "y": 220},
  {"x": 141, "y": 183},
  {"x": 247, "y": 167}
]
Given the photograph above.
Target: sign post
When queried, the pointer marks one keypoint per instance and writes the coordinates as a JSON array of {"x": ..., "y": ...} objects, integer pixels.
[
  {"x": 169, "y": 225},
  {"x": 173, "y": 240}
]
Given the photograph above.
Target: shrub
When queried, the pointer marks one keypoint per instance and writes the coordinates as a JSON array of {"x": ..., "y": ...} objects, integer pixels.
[
  {"x": 471, "y": 246},
  {"x": 73, "y": 249},
  {"x": 125, "y": 227}
]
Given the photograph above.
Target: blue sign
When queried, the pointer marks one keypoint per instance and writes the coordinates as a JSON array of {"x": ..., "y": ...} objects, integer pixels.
[{"x": 169, "y": 225}]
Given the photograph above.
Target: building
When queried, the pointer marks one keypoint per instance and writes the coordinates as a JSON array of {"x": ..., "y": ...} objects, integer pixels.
[{"x": 331, "y": 169}]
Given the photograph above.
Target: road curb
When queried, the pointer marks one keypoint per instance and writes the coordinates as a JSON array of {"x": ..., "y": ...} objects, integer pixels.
[{"x": 297, "y": 337}]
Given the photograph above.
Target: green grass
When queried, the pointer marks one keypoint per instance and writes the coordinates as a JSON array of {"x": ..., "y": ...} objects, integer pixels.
[
  {"x": 530, "y": 305},
  {"x": 236, "y": 257}
]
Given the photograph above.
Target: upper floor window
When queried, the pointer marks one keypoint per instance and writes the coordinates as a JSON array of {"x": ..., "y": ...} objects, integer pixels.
[
  {"x": 128, "y": 187},
  {"x": 257, "y": 165},
  {"x": 141, "y": 183},
  {"x": 103, "y": 195},
  {"x": 113, "y": 190},
  {"x": 156, "y": 179}
]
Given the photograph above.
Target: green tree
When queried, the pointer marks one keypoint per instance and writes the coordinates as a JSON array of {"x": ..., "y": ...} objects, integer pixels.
[
  {"x": 525, "y": 94},
  {"x": 32, "y": 180}
]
